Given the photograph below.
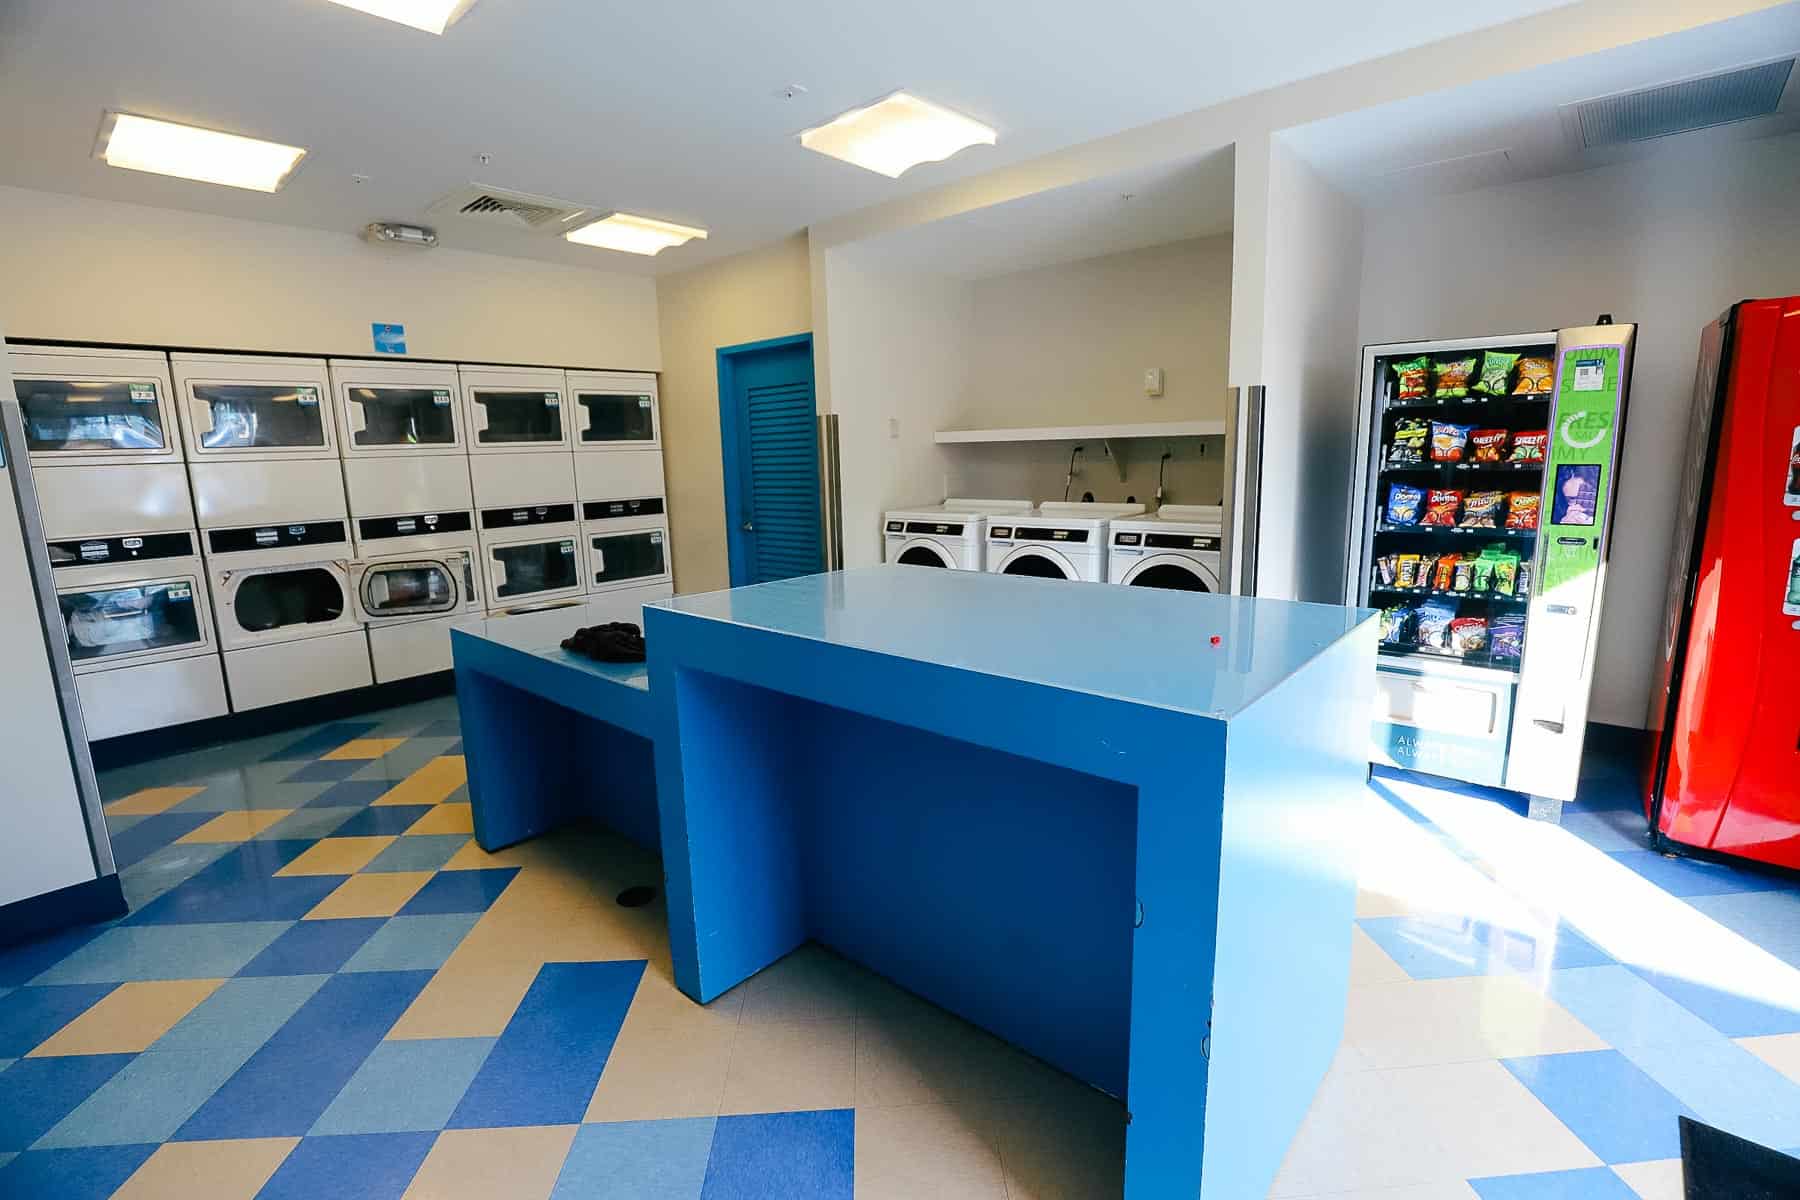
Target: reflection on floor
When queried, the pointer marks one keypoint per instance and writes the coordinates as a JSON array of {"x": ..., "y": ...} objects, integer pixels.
[{"x": 326, "y": 989}]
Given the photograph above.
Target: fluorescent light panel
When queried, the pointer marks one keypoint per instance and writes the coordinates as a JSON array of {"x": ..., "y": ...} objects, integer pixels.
[
  {"x": 433, "y": 16},
  {"x": 189, "y": 152},
  {"x": 896, "y": 134},
  {"x": 634, "y": 235}
]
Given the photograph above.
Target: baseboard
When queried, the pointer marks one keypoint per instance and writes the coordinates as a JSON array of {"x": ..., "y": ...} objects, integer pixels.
[{"x": 78, "y": 904}]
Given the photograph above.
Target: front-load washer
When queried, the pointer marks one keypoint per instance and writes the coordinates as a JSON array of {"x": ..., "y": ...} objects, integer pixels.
[
  {"x": 1056, "y": 541},
  {"x": 615, "y": 410},
  {"x": 951, "y": 535},
  {"x": 415, "y": 577},
  {"x": 397, "y": 410},
  {"x": 1177, "y": 547},
  {"x": 287, "y": 621},
  {"x": 515, "y": 410},
  {"x": 139, "y": 630}
]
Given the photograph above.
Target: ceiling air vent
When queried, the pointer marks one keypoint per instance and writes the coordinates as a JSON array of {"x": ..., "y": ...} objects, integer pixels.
[
  {"x": 1680, "y": 107},
  {"x": 513, "y": 210}
]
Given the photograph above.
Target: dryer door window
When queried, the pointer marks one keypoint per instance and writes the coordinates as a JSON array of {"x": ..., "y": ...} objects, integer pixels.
[
  {"x": 623, "y": 557},
  {"x": 513, "y": 417},
  {"x": 406, "y": 589},
  {"x": 245, "y": 416},
  {"x": 1039, "y": 566},
  {"x": 534, "y": 567},
  {"x": 82, "y": 416},
  {"x": 1170, "y": 577},
  {"x": 400, "y": 416},
  {"x": 290, "y": 596},
  {"x": 119, "y": 620},
  {"x": 611, "y": 418}
]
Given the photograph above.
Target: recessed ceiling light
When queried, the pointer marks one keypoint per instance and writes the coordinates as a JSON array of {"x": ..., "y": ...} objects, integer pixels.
[
  {"x": 433, "y": 16},
  {"x": 189, "y": 152},
  {"x": 897, "y": 133},
  {"x": 634, "y": 235}
]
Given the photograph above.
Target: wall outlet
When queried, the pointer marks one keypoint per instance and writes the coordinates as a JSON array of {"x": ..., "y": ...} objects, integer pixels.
[
  {"x": 1153, "y": 381},
  {"x": 894, "y": 428}
]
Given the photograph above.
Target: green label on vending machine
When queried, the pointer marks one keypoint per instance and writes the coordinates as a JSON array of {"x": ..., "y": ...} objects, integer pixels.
[{"x": 1578, "y": 473}]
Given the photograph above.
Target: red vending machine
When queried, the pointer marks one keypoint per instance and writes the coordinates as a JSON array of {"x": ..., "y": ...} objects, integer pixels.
[{"x": 1724, "y": 771}]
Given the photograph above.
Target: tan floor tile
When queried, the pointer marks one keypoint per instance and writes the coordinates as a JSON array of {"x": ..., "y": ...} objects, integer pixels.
[
  {"x": 1659, "y": 1180},
  {"x": 926, "y": 1056},
  {"x": 1369, "y": 963},
  {"x": 519, "y": 929},
  {"x": 1063, "y": 1143},
  {"x": 1430, "y": 1021},
  {"x": 337, "y": 856},
  {"x": 129, "y": 1018},
  {"x": 659, "y": 1004},
  {"x": 445, "y": 818},
  {"x": 363, "y": 748},
  {"x": 1780, "y": 1050},
  {"x": 430, "y": 784},
  {"x": 226, "y": 1170},
  {"x": 479, "y": 1164},
  {"x": 379, "y": 895},
  {"x": 656, "y": 1073},
  {"x": 787, "y": 1068},
  {"x": 466, "y": 1000},
  {"x": 932, "y": 1150},
  {"x": 811, "y": 984},
  {"x": 1488, "y": 1123},
  {"x": 235, "y": 826},
  {"x": 150, "y": 801}
]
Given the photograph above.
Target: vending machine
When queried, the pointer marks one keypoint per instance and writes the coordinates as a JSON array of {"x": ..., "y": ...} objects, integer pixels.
[
  {"x": 1723, "y": 773},
  {"x": 1480, "y": 524}
]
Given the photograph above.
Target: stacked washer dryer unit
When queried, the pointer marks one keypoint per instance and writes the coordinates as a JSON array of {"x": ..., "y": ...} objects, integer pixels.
[
  {"x": 1056, "y": 541},
  {"x": 269, "y": 493},
  {"x": 619, "y": 482},
  {"x": 523, "y": 476},
  {"x": 1177, "y": 547},
  {"x": 402, "y": 430},
  {"x": 950, "y": 535},
  {"x": 119, "y": 518}
]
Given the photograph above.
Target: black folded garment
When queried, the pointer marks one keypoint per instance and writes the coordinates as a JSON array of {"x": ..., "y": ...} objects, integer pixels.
[{"x": 615, "y": 642}]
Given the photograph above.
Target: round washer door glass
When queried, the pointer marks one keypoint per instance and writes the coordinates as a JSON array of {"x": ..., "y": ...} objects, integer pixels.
[
  {"x": 1036, "y": 564},
  {"x": 919, "y": 555},
  {"x": 408, "y": 588},
  {"x": 298, "y": 596},
  {"x": 1170, "y": 577}
]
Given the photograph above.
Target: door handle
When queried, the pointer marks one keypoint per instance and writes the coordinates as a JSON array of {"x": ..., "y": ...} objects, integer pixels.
[{"x": 749, "y": 527}]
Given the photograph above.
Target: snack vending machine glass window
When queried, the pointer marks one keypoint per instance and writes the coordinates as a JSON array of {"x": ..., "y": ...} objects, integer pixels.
[{"x": 1480, "y": 522}]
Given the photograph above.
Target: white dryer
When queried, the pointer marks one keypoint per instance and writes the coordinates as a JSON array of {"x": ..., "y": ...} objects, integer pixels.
[
  {"x": 951, "y": 535},
  {"x": 1056, "y": 541},
  {"x": 615, "y": 410},
  {"x": 95, "y": 407},
  {"x": 415, "y": 577},
  {"x": 1177, "y": 547}
]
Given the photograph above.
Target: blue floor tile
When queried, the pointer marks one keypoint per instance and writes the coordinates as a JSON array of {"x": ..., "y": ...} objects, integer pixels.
[
  {"x": 296, "y": 1074},
  {"x": 1731, "y": 1013},
  {"x": 1691, "y": 877},
  {"x": 242, "y": 1014},
  {"x": 155, "y": 874},
  {"x": 125, "y": 953},
  {"x": 1618, "y": 1111},
  {"x": 449, "y": 728},
  {"x": 1443, "y": 947},
  {"x": 381, "y": 1164},
  {"x": 71, "y": 1174},
  {"x": 383, "y": 819},
  {"x": 133, "y": 845},
  {"x": 148, "y": 1100},
  {"x": 455, "y": 747},
  {"x": 7, "y": 1156},
  {"x": 797, "y": 1155},
  {"x": 637, "y": 1160},
  {"x": 406, "y": 1085},
  {"x": 332, "y": 770},
  {"x": 31, "y": 1014},
  {"x": 242, "y": 886},
  {"x": 420, "y": 852},
  {"x": 1770, "y": 919},
  {"x": 322, "y": 741},
  {"x": 460, "y": 891},
  {"x": 1589, "y": 1183},
  {"x": 417, "y": 943},
  {"x": 1608, "y": 830},
  {"x": 551, "y": 1053},
  {"x": 36, "y": 1093},
  {"x": 309, "y": 823},
  {"x": 314, "y": 947},
  {"x": 351, "y": 793},
  {"x": 21, "y": 963}
]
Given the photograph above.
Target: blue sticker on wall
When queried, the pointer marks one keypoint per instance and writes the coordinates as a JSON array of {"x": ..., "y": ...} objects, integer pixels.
[{"x": 389, "y": 339}]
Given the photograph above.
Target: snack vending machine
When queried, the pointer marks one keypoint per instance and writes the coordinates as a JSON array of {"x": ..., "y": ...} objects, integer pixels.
[
  {"x": 1480, "y": 523},
  {"x": 1724, "y": 711}
]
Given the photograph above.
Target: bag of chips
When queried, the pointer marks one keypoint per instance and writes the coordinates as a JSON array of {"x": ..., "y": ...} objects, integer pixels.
[
  {"x": 1406, "y": 571},
  {"x": 1487, "y": 445},
  {"x": 1415, "y": 378},
  {"x": 1403, "y": 504},
  {"x": 1434, "y": 617},
  {"x": 1482, "y": 510},
  {"x": 1506, "y": 637},
  {"x": 1506, "y": 574},
  {"x": 1464, "y": 577},
  {"x": 1482, "y": 575},
  {"x": 1397, "y": 625},
  {"x": 1408, "y": 448},
  {"x": 1496, "y": 367},
  {"x": 1529, "y": 446},
  {"x": 1450, "y": 377},
  {"x": 1448, "y": 441},
  {"x": 1536, "y": 376},
  {"x": 1440, "y": 506},
  {"x": 1469, "y": 635},
  {"x": 1522, "y": 510},
  {"x": 1445, "y": 573}
]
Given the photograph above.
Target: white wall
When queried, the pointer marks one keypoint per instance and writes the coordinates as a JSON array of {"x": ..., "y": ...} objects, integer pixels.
[
  {"x": 1194, "y": 474},
  {"x": 93, "y": 270},
  {"x": 1669, "y": 243}
]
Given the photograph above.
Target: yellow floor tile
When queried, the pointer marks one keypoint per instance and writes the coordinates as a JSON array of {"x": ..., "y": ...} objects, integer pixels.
[
  {"x": 466, "y": 999},
  {"x": 477, "y": 1164},
  {"x": 128, "y": 1018},
  {"x": 151, "y": 801},
  {"x": 430, "y": 784},
  {"x": 445, "y": 818},
  {"x": 379, "y": 895},
  {"x": 227, "y": 1170},
  {"x": 235, "y": 826},
  {"x": 363, "y": 748},
  {"x": 338, "y": 856}
]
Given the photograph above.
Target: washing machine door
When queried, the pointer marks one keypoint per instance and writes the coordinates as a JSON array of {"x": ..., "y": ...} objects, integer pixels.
[
  {"x": 922, "y": 553},
  {"x": 1172, "y": 572},
  {"x": 1039, "y": 561},
  {"x": 115, "y": 623},
  {"x": 425, "y": 586},
  {"x": 282, "y": 603}
]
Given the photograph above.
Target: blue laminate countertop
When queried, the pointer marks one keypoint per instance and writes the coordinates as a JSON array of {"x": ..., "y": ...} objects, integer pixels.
[
  {"x": 1141, "y": 645},
  {"x": 499, "y": 631}
]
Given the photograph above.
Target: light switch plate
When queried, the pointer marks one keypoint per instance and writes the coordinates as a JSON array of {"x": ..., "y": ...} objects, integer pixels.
[{"x": 1153, "y": 381}]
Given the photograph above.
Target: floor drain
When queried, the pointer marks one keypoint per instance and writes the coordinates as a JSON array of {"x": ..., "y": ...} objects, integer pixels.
[{"x": 636, "y": 897}]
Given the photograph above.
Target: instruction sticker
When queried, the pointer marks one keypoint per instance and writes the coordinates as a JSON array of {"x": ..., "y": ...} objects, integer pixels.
[
  {"x": 389, "y": 339},
  {"x": 1590, "y": 375}
]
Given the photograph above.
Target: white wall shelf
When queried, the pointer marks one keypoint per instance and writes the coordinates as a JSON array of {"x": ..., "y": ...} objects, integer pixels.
[{"x": 1112, "y": 437}]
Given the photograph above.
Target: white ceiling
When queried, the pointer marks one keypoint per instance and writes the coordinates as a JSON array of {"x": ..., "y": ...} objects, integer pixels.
[
  {"x": 671, "y": 110},
  {"x": 1510, "y": 128}
]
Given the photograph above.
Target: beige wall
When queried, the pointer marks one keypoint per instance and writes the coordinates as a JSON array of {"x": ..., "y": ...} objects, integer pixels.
[
  {"x": 94, "y": 270},
  {"x": 761, "y": 294}
]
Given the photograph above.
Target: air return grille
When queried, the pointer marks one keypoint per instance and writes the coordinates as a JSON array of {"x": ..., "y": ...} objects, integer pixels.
[
  {"x": 514, "y": 210},
  {"x": 1683, "y": 106}
]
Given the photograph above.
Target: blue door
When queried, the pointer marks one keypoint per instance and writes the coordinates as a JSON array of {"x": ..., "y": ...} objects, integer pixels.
[{"x": 768, "y": 436}]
